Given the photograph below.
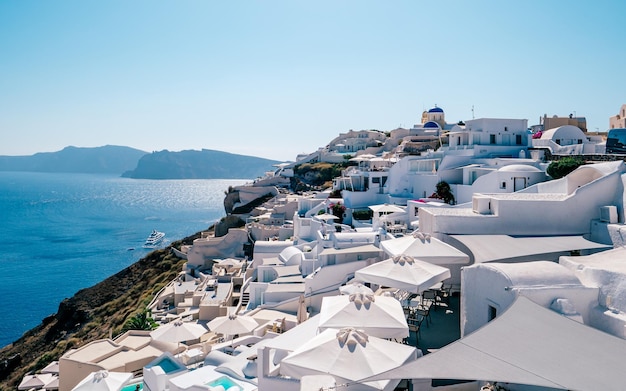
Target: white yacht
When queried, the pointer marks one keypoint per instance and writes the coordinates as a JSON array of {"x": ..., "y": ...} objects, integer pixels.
[{"x": 154, "y": 239}]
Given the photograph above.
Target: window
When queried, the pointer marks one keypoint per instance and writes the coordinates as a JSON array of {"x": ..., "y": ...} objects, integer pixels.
[
  {"x": 506, "y": 128},
  {"x": 580, "y": 141},
  {"x": 492, "y": 139},
  {"x": 503, "y": 185},
  {"x": 492, "y": 313},
  {"x": 518, "y": 139}
]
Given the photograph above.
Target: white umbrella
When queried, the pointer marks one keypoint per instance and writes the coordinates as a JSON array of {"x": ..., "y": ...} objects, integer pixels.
[
  {"x": 378, "y": 316},
  {"x": 178, "y": 331},
  {"x": 426, "y": 248},
  {"x": 355, "y": 287},
  {"x": 348, "y": 355},
  {"x": 35, "y": 381},
  {"x": 404, "y": 272},
  {"x": 103, "y": 381},
  {"x": 386, "y": 208},
  {"x": 53, "y": 367},
  {"x": 233, "y": 324},
  {"x": 326, "y": 217},
  {"x": 53, "y": 384}
]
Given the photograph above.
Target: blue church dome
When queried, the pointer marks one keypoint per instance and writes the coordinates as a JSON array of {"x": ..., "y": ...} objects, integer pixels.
[
  {"x": 431, "y": 125},
  {"x": 436, "y": 110}
]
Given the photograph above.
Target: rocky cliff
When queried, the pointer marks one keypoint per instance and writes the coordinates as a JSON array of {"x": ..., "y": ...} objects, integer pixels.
[{"x": 92, "y": 313}]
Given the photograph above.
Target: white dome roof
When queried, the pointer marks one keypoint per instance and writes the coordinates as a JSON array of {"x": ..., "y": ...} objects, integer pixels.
[{"x": 519, "y": 168}]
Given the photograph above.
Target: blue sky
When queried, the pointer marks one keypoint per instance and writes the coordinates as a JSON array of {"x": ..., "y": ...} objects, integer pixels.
[{"x": 276, "y": 78}]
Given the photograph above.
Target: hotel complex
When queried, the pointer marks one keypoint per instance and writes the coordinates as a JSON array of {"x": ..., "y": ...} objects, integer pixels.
[{"x": 444, "y": 257}]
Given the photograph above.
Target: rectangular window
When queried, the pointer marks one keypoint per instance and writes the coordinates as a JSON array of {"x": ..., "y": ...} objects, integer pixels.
[
  {"x": 492, "y": 139},
  {"x": 492, "y": 313},
  {"x": 506, "y": 128},
  {"x": 503, "y": 185},
  {"x": 518, "y": 139}
]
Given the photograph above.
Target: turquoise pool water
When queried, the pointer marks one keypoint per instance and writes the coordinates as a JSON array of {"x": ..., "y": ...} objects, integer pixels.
[
  {"x": 226, "y": 383},
  {"x": 133, "y": 387},
  {"x": 168, "y": 365}
]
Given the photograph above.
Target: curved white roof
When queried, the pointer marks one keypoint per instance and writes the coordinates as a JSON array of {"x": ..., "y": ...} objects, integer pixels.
[
  {"x": 563, "y": 132},
  {"x": 519, "y": 168},
  {"x": 525, "y": 273}
]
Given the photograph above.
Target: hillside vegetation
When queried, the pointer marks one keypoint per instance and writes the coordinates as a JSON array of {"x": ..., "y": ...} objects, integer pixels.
[{"x": 92, "y": 313}]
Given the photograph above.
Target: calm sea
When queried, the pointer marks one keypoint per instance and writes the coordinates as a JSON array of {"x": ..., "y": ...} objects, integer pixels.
[{"x": 63, "y": 232}]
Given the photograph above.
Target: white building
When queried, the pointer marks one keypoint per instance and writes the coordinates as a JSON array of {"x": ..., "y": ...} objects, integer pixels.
[
  {"x": 545, "y": 283},
  {"x": 567, "y": 206}
]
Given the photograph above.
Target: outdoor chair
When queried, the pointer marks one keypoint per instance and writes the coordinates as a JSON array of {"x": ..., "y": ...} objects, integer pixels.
[
  {"x": 424, "y": 311},
  {"x": 429, "y": 297},
  {"x": 443, "y": 295},
  {"x": 414, "y": 324}
]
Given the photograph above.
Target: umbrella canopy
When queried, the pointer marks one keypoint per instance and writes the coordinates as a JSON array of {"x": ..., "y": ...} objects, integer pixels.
[
  {"x": 348, "y": 355},
  {"x": 404, "y": 272},
  {"x": 355, "y": 287},
  {"x": 426, "y": 248},
  {"x": 386, "y": 208},
  {"x": 233, "y": 324},
  {"x": 178, "y": 331},
  {"x": 103, "y": 381},
  {"x": 53, "y": 384},
  {"x": 53, "y": 367},
  {"x": 35, "y": 381},
  {"x": 326, "y": 217},
  {"x": 378, "y": 316}
]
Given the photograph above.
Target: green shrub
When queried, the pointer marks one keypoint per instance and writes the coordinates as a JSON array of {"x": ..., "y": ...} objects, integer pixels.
[{"x": 562, "y": 167}]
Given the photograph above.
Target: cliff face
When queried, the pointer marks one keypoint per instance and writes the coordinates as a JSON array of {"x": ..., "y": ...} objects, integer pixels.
[
  {"x": 204, "y": 164},
  {"x": 109, "y": 159},
  {"x": 92, "y": 313}
]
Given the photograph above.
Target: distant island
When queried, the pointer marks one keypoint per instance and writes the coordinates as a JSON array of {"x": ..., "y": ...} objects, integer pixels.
[
  {"x": 133, "y": 163},
  {"x": 204, "y": 164},
  {"x": 109, "y": 159}
]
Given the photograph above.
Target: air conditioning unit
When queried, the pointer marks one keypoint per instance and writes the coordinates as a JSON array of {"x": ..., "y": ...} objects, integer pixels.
[{"x": 608, "y": 214}]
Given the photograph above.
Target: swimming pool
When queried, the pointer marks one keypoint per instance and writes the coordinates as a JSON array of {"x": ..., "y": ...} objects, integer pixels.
[
  {"x": 133, "y": 387},
  {"x": 168, "y": 365},
  {"x": 225, "y": 382}
]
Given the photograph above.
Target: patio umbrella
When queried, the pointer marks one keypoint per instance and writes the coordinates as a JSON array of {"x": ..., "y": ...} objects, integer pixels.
[
  {"x": 53, "y": 384},
  {"x": 386, "y": 208},
  {"x": 348, "y": 355},
  {"x": 355, "y": 287},
  {"x": 404, "y": 272},
  {"x": 35, "y": 381},
  {"x": 378, "y": 316},
  {"x": 326, "y": 217},
  {"x": 233, "y": 324},
  {"x": 53, "y": 367},
  {"x": 103, "y": 381},
  {"x": 230, "y": 263},
  {"x": 178, "y": 331},
  {"x": 426, "y": 248}
]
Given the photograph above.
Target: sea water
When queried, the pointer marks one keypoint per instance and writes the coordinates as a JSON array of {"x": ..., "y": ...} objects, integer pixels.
[{"x": 60, "y": 233}]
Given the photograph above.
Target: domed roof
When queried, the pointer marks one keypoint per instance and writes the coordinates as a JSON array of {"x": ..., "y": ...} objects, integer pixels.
[
  {"x": 436, "y": 110},
  {"x": 519, "y": 168},
  {"x": 431, "y": 125}
]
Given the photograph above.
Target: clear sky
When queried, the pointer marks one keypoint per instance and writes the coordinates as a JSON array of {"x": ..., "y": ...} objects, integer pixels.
[{"x": 276, "y": 78}]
